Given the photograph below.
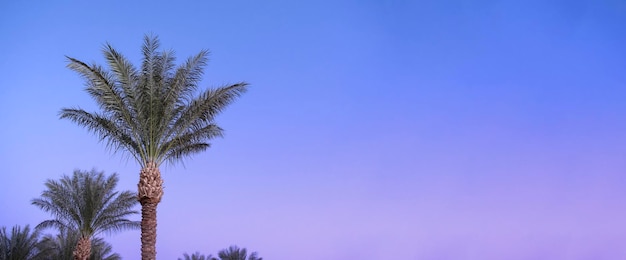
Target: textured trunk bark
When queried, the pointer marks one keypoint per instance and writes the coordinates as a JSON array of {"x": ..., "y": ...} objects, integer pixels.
[
  {"x": 83, "y": 249},
  {"x": 148, "y": 230},
  {"x": 150, "y": 191}
]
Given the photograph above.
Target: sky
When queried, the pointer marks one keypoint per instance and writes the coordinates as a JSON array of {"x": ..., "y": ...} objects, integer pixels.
[{"x": 427, "y": 130}]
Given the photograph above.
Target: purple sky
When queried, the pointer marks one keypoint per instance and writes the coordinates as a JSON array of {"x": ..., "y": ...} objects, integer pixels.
[{"x": 426, "y": 130}]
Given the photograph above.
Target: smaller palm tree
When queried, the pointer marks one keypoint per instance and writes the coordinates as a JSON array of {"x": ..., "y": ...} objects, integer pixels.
[
  {"x": 197, "y": 256},
  {"x": 20, "y": 244},
  {"x": 88, "y": 204},
  {"x": 236, "y": 253}
]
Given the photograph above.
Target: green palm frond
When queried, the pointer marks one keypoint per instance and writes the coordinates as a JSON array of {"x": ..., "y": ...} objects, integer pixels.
[
  {"x": 53, "y": 223},
  {"x": 190, "y": 142},
  {"x": 106, "y": 128},
  {"x": 153, "y": 112},
  {"x": 102, "y": 87}
]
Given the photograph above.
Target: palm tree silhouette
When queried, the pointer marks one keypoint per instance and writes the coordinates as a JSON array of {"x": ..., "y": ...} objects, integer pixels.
[{"x": 236, "y": 253}]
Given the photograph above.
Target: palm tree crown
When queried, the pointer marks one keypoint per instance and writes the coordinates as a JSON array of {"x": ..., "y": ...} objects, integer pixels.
[
  {"x": 88, "y": 203},
  {"x": 236, "y": 253},
  {"x": 152, "y": 112}
]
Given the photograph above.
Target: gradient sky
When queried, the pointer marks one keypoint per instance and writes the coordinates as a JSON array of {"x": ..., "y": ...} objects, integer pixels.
[{"x": 399, "y": 129}]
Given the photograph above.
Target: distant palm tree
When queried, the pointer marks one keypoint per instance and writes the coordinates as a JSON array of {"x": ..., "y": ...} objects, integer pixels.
[
  {"x": 87, "y": 203},
  {"x": 20, "y": 244},
  {"x": 154, "y": 113},
  {"x": 235, "y": 253},
  {"x": 61, "y": 247},
  {"x": 197, "y": 256}
]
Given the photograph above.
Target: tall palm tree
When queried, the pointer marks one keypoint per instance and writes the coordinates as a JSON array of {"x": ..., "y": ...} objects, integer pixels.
[
  {"x": 236, "y": 253},
  {"x": 154, "y": 114},
  {"x": 61, "y": 247},
  {"x": 197, "y": 256},
  {"x": 86, "y": 203},
  {"x": 20, "y": 244}
]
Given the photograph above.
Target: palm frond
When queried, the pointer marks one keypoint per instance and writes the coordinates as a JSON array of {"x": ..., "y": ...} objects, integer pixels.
[
  {"x": 175, "y": 149},
  {"x": 126, "y": 78},
  {"x": 185, "y": 82},
  {"x": 53, "y": 223},
  {"x": 104, "y": 89},
  {"x": 198, "y": 116},
  {"x": 204, "y": 108},
  {"x": 105, "y": 128},
  {"x": 181, "y": 152}
]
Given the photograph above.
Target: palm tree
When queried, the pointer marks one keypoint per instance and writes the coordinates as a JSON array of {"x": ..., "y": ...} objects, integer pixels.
[
  {"x": 88, "y": 204},
  {"x": 20, "y": 244},
  {"x": 236, "y": 253},
  {"x": 153, "y": 114},
  {"x": 61, "y": 247},
  {"x": 197, "y": 256}
]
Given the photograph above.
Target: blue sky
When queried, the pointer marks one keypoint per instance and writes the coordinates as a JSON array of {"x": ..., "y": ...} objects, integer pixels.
[{"x": 372, "y": 129}]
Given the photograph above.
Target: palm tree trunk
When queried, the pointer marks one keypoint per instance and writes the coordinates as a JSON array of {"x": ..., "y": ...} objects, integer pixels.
[
  {"x": 83, "y": 249},
  {"x": 150, "y": 192}
]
